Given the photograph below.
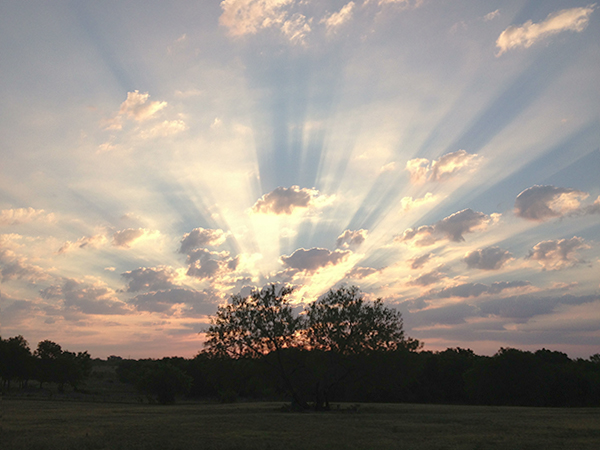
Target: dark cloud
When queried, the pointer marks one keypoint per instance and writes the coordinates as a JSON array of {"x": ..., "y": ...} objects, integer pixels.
[
  {"x": 558, "y": 254},
  {"x": 14, "y": 267},
  {"x": 206, "y": 264},
  {"x": 545, "y": 202},
  {"x": 150, "y": 279},
  {"x": 194, "y": 303},
  {"x": 85, "y": 298},
  {"x": 429, "y": 278},
  {"x": 285, "y": 200},
  {"x": 419, "y": 262},
  {"x": 476, "y": 289},
  {"x": 359, "y": 273},
  {"x": 452, "y": 228},
  {"x": 200, "y": 237},
  {"x": 351, "y": 239},
  {"x": 313, "y": 259},
  {"x": 490, "y": 258},
  {"x": 522, "y": 307}
]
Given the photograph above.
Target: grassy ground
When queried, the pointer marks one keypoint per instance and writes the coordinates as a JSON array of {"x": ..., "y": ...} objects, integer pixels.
[{"x": 35, "y": 424}]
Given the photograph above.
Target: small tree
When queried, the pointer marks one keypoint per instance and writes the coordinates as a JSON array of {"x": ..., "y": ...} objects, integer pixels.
[{"x": 254, "y": 326}]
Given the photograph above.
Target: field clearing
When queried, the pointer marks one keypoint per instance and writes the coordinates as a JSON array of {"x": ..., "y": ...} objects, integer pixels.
[{"x": 38, "y": 424}]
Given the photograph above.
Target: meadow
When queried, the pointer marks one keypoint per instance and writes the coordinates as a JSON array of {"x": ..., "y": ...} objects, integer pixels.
[{"x": 43, "y": 424}]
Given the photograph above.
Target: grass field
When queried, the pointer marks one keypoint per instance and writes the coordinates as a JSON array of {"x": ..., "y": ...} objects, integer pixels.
[{"x": 38, "y": 424}]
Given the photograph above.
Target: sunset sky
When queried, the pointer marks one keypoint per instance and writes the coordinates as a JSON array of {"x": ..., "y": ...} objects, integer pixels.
[{"x": 157, "y": 157}]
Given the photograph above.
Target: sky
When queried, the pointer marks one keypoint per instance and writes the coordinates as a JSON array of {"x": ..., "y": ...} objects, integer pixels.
[{"x": 158, "y": 157}]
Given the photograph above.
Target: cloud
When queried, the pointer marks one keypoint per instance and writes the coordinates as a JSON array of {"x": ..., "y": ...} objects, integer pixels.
[
  {"x": 201, "y": 237},
  {"x": 135, "y": 107},
  {"x": 314, "y": 259},
  {"x": 150, "y": 279},
  {"x": 351, "y": 239},
  {"x": 287, "y": 200},
  {"x": 558, "y": 254},
  {"x": 408, "y": 203},
  {"x": 544, "y": 202},
  {"x": 194, "y": 303},
  {"x": 334, "y": 20},
  {"x": 163, "y": 129},
  {"x": 206, "y": 264},
  {"x": 126, "y": 238},
  {"x": 490, "y": 258},
  {"x": 448, "y": 165},
  {"x": 242, "y": 17},
  {"x": 476, "y": 289},
  {"x": 428, "y": 278},
  {"x": 84, "y": 242},
  {"x": 18, "y": 216},
  {"x": 14, "y": 267},
  {"x": 452, "y": 228},
  {"x": 523, "y": 307},
  {"x": 86, "y": 298},
  {"x": 491, "y": 16},
  {"x": 296, "y": 28},
  {"x": 574, "y": 19},
  {"x": 419, "y": 262},
  {"x": 358, "y": 273}
]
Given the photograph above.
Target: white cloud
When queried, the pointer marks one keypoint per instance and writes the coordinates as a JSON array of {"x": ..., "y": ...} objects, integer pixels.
[
  {"x": 249, "y": 16},
  {"x": 574, "y": 19},
  {"x": 358, "y": 273},
  {"x": 334, "y": 20},
  {"x": 490, "y": 258},
  {"x": 452, "y": 228},
  {"x": 314, "y": 259},
  {"x": 126, "y": 238},
  {"x": 135, "y": 107},
  {"x": 448, "y": 165},
  {"x": 296, "y": 28},
  {"x": 491, "y": 16},
  {"x": 408, "y": 203},
  {"x": 17, "y": 216},
  {"x": 15, "y": 267},
  {"x": 351, "y": 239},
  {"x": 558, "y": 254},
  {"x": 545, "y": 202},
  {"x": 287, "y": 200},
  {"x": 163, "y": 129}
]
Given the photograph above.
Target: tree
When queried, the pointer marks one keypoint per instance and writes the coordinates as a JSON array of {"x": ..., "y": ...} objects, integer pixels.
[
  {"x": 47, "y": 354},
  {"x": 254, "y": 326},
  {"x": 164, "y": 381},
  {"x": 15, "y": 360},
  {"x": 343, "y": 328}
]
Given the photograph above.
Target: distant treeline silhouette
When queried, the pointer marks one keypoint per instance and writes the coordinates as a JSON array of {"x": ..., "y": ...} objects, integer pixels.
[{"x": 341, "y": 348}]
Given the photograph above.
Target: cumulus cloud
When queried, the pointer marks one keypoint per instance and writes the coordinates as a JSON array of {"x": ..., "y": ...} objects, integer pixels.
[
  {"x": 150, "y": 279},
  {"x": 126, "y": 238},
  {"x": 201, "y": 237},
  {"x": 351, "y": 239},
  {"x": 287, "y": 200},
  {"x": 314, "y": 258},
  {"x": 452, "y": 228},
  {"x": 544, "y": 202},
  {"x": 18, "y": 216},
  {"x": 448, "y": 165},
  {"x": 334, "y": 20},
  {"x": 84, "y": 242},
  {"x": 242, "y": 17},
  {"x": 135, "y": 107},
  {"x": 420, "y": 261},
  {"x": 190, "y": 302},
  {"x": 206, "y": 264},
  {"x": 490, "y": 258},
  {"x": 408, "y": 203},
  {"x": 85, "y": 298},
  {"x": 558, "y": 254},
  {"x": 15, "y": 267},
  {"x": 573, "y": 19}
]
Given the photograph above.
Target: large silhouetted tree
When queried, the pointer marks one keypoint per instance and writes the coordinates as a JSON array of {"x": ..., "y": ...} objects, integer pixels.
[{"x": 254, "y": 326}]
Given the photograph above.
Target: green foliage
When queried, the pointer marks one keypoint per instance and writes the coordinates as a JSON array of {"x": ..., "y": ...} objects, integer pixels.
[{"x": 165, "y": 382}]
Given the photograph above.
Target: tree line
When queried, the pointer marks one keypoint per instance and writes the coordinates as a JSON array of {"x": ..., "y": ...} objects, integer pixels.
[{"x": 341, "y": 348}]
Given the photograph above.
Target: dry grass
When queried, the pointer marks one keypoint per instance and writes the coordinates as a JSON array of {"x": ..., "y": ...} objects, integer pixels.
[{"x": 40, "y": 425}]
